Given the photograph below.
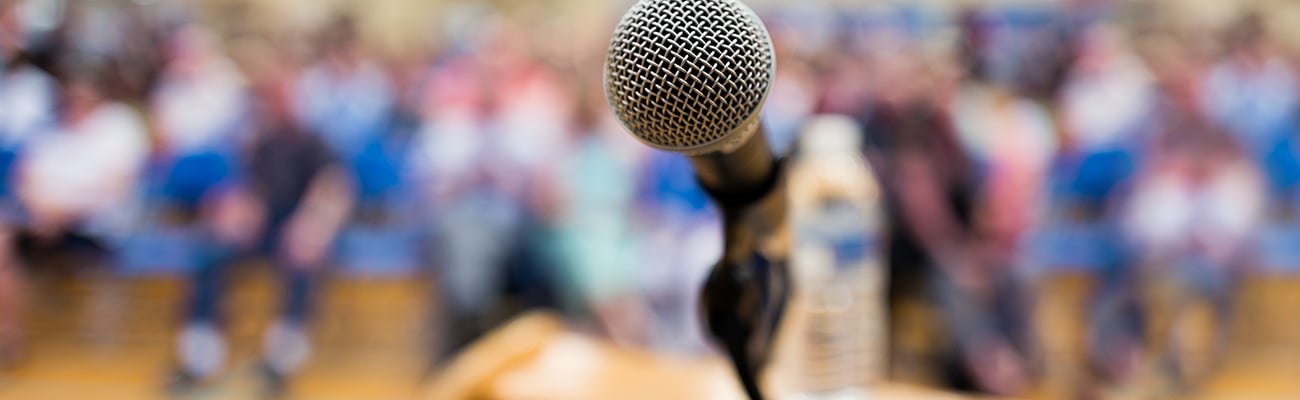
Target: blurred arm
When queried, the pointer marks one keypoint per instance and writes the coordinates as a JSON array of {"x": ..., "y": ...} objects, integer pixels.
[
  {"x": 318, "y": 219},
  {"x": 927, "y": 213}
]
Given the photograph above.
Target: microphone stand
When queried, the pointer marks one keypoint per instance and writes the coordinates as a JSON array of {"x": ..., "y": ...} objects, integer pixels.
[{"x": 745, "y": 295}]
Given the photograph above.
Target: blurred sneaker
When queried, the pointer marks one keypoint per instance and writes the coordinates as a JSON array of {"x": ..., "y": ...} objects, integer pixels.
[
  {"x": 201, "y": 350},
  {"x": 285, "y": 347},
  {"x": 201, "y": 355}
]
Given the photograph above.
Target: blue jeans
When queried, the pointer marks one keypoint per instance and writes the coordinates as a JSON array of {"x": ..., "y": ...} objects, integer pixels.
[{"x": 208, "y": 279}]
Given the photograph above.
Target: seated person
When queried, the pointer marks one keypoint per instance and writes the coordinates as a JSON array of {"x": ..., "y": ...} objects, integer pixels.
[
  {"x": 74, "y": 179},
  {"x": 291, "y": 203},
  {"x": 198, "y": 110},
  {"x": 1188, "y": 223}
]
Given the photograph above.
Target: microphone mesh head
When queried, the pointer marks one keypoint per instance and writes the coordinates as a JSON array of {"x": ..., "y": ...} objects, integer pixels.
[{"x": 683, "y": 74}]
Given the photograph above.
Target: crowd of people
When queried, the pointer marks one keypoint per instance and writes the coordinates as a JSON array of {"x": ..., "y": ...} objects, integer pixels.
[
  {"x": 122, "y": 118},
  {"x": 1175, "y": 142}
]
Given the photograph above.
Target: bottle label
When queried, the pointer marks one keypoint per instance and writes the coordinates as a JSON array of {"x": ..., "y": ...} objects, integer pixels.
[{"x": 853, "y": 250}]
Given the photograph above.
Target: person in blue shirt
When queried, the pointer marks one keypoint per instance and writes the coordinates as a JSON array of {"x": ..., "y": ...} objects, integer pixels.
[
  {"x": 1252, "y": 92},
  {"x": 346, "y": 98}
]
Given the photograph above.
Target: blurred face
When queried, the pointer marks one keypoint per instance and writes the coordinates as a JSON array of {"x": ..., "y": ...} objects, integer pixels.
[
  {"x": 1249, "y": 41},
  {"x": 1176, "y": 69},
  {"x": 1253, "y": 53},
  {"x": 80, "y": 99},
  {"x": 1099, "y": 47},
  {"x": 275, "y": 97},
  {"x": 189, "y": 50},
  {"x": 1183, "y": 82},
  {"x": 344, "y": 56},
  {"x": 898, "y": 77},
  {"x": 11, "y": 30}
]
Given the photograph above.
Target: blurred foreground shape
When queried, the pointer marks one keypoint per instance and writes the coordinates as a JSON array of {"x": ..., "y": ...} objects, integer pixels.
[{"x": 533, "y": 357}]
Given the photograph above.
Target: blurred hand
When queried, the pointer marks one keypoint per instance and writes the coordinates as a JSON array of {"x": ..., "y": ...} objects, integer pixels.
[
  {"x": 47, "y": 223},
  {"x": 999, "y": 369},
  {"x": 968, "y": 270},
  {"x": 305, "y": 242},
  {"x": 236, "y": 217},
  {"x": 309, "y": 234}
]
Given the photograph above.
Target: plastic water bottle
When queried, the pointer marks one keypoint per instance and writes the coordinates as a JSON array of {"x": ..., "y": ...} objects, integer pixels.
[
  {"x": 835, "y": 341},
  {"x": 842, "y": 334}
]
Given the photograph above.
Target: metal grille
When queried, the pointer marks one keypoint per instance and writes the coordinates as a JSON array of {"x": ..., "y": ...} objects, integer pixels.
[{"x": 682, "y": 74}]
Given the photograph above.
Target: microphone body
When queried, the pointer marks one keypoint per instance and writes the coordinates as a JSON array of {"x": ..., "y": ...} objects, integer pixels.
[
  {"x": 690, "y": 76},
  {"x": 740, "y": 175},
  {"x": 747, "y": 185}
]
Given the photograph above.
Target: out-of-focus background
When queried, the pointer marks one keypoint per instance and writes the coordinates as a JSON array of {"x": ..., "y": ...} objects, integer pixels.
[{"x": 335, "y": 199}]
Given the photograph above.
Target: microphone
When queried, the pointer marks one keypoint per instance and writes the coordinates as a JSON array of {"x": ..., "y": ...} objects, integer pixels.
[{"x": 691, "y": 76}]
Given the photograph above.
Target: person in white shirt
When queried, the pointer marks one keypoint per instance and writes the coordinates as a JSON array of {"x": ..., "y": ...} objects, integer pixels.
[
  {"x": 80, "y": 173},
  {"x": 1105, "y": 106},
  {"x": 1253, "y": 91},
  {"x": 26, "y": 103},
  {"x": 200, "y": 114},
  {"x": 75, "y": 176}
]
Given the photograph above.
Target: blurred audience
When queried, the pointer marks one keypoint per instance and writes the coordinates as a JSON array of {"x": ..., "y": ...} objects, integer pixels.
[
  {"x": 1252, "y": 90},
  {"x": 673, "y": 212},
  {"x": 1188, "y": 222},
  {"x": 985, "y": 127},
  {"x": 479, "y": 220},
  {"x": 597, "y": 183}
]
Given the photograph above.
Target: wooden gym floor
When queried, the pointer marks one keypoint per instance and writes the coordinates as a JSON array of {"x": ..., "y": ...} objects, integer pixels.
[
  {"x": 94, "y": 336},
  {"x": 101, "y": 337}
]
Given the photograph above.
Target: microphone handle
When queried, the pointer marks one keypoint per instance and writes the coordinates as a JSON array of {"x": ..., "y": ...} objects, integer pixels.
[
  {"x": 739, "y": 177},
  {"x": 748, "y": 187}
]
